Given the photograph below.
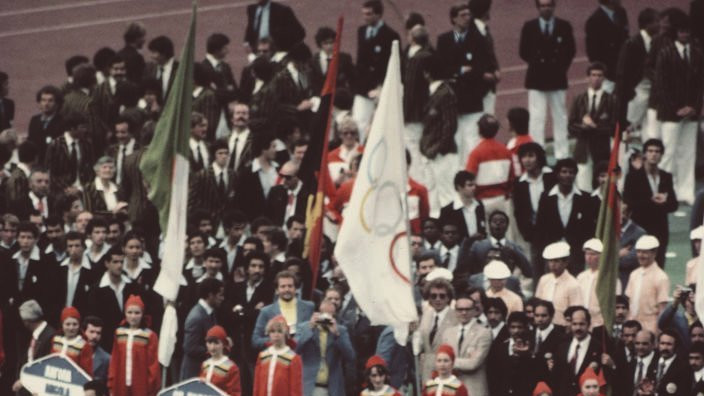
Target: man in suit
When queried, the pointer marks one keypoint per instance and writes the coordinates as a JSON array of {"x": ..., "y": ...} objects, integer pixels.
[
  {"x": 48, "y": 124},
  {"x": 213, "y": 188},
  {"x": 37, "y": 198},
  {"x": 92, "y": 329},
  {"x": 206, "y": 102},
  {"x": 240, "y": 139},
  {"x": 125, "y": 145},
  {"x": 16, "y": 186},
  {"x": 415, "y": 88},
  {"x": 69, "y": 157},
  {"x": 632, "y": 85},
  {"x": 672, "y": 367},
  {"x": 374, "y": 40},
  {"x": 288, "y": 198},
  {"x": 566, "y": 213},
  {"x": 40, "y": 342},
  {"x": 199, "y": 320},
  {"x": 606, "y": 30},
  {"x": 134, "y": 38},
  {"x": 163, "y": 65},
  {"x": 325, "y": 39},
  {"x": 472, "y": 341},
  {"x": 547, "y": 336},
  {"x": 650, "y": 195},
  {"x": 479, "y": 30},
  {"x": 258, "y": 177},
  {"x": 462, "y": 56},
  {"x": 106, "y": 102},
  {"x": 592, "y": 121},
  {"x": 75, "y": 279},
  {"x": 558, "y": 286},
  {"x": 7, "y": 106},
  {"x": 290, "y": 90},
  {"x": 645, "y": 362},
  {"x": 199, "y": 154},
  {"x": 234, "y": 223},
  {"x": 271, "y": 19},
  {"x": 679, "y": 82},
  {"x": 547, "y": 45},
  {"x": 574, "y": 355},
  {"x": 437, "y": 142},
  {"x": 322, "y": 337},
  {"x": 465, "y": 210},
  {"x": 696, "y": 365},
  {"x": 286, "y": 304},
  {"x": 435, "y": 319},
  {"x": 221, "y": 77}
]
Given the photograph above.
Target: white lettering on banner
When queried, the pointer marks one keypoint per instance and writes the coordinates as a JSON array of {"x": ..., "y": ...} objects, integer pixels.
[
  {"x": 57, "y": 373},
  {"x": 493, "y": 172},
  {"x": 57, "y": 390}
]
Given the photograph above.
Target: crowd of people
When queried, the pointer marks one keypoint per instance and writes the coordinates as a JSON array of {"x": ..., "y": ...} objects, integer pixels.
[{"x": 503, "y": 245}]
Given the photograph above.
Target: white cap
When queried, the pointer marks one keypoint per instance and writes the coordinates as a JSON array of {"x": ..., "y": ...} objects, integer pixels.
[
  {"x": 556, "y": 250},
  {"x": 496, "y": 270},
  {"x": 647, "y": 242},
  {"x": 697, "y": 233},
  {"x": 593, "y": 244},
  {"x": 439, "y": 273}
]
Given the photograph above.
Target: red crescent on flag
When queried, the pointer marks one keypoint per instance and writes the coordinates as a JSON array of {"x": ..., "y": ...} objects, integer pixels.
[{"x": 391, "y": 256}]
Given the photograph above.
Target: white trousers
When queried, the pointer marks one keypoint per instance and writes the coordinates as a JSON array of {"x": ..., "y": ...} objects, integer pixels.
[
  {"x": 438, "y": 177},
  {"x": 680, "y": 140},
  {"x": 362, "y": 113},
  {"x": 467, "y": 136},
  {"x": 320, "y": 391},
  {"x": 538, "y": 102},
  {"x": 638, "y": 106},
  {"x": 489, "y": 103},
  {"x": 585, "y": 173},
  {"x": 651, "y": 129},
  {"x": 412, "y": 134}
]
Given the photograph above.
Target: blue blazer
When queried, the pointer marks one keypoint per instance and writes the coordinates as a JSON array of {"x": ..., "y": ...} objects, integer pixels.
[
  {"x": 338, "y": 349},
  {"x": 198, "y": 322},
  {"x": 101, "y": 362},
  {"x": 304, "y": 310}
]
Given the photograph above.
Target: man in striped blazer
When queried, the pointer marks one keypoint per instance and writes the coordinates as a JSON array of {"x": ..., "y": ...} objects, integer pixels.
[
  {"x": 69, "y": 157},
  {"x": 212, "y": 189}
]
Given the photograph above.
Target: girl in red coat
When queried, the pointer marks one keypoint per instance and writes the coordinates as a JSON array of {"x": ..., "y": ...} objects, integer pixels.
[
  {"x": 279, "y": 370},
  {"x": 377, "y": 375},
  {"x": 70, "y": 343},
  {"x": 219, "y": 370},
  {"x": 134, "y": 368},
  {"x": 445, "y": 383}
]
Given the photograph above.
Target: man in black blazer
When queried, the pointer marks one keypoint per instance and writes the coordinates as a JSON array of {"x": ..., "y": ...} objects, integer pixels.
[
  {"x": 466, "y": 211},
  {"x": 69, "y": 158},
  {"x": 547, "y": 336},
  {"x": 464, "y": 58},
  {"x": 673, "y": 375},
  {"x": 7, "y": 106},
  {"x": 643, "y": 365},
  {"x": 696, "y": 364},
  {"x": 479, "y": 31},
  {"x": 48, "y": 124},
  {"x": 134, "y": 38},
  {"x": 555, "y": 222},
  {"x": 221, "y": 78},
  {"x": 251, "y": 193},
  {"x": 288, "y": 198},
  {"x": 213, "y": 189},
  {"x": 632, "y": 86},
  {"x": 606, "y": 30},
  {"x": 37, "y": 198},
  {"x": 163, "y": 65},
  {"x": 650, "y": 195},
  {"x": 374, "y": 40},
  {"x": 415, "y": 87},
  {"x": 574, "y": 355},
  {"x": 325, "y": 39},
  {"x": 547, "y": 45},
  {"x": 75, "y": 278},
  {"x": 679, "y": 82},
  {"x": 271, "y": 19}
]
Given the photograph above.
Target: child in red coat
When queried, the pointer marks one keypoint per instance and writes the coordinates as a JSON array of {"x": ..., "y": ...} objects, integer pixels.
[
  {"x": 70, "y": 343},
  {"x": 279, "y": 371},
  {"x": 445, "y": 383},
  {"x": 219, "y": 370},
  {"x": 134, "y": 367},
  {"x": 377, "y": 375}
]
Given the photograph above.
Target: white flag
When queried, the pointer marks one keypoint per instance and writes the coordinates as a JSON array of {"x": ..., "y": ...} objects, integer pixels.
[
  {"x": 699, "y": 293},
  {"x": 372, "y": 247}
]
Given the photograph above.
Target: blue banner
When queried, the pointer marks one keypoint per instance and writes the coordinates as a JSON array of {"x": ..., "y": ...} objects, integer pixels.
[
  {"x": 54, "y": 375},
  {"x": 192, "y": 387}
]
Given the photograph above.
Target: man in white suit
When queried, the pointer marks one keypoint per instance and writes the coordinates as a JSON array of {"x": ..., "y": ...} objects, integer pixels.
[{"x": 472, "y": 342}]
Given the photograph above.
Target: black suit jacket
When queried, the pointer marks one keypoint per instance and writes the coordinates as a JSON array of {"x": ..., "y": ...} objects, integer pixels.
[
  {"x": 522, "y": 207},
  {"x": 277, "y": 201},
  {"x": 450, "y": 215},
  {"x": 680, "y": 374},
  {"x": 550, "y": 343},
  {"x": 630, "y": 69},
  {"x": 250, "y": 196},
  {"x": 81, "y": 298},
  {"x": 649, "y": 215},
  {"x": 23, "y": 207},
  {"x": 103, "y": 303},
  {"x": 8, "y": 113},
  {"x": 592, "y": 142},
  {"x": 373, "y": 57},
  {"x": 415, "y": 85},
  {"x": 678, "y": 84},
  {"x": 59, "y": 164},
  {"x": 469, "y": 87},
  {"x": 580, "y": 227},
  {"x": 241, "y": 326},
  {"x": 650, "y": 372},
  {"x": 346, "y": 73},
  {"x": 487, "y": 62},
  {"x": 134, "y": 62},
  {"x": 511, "y": 375},
  {"x": 151, "y": 70},
  {"x": 39, "y": 135},
  {"x": 41, "y": 348},
  {"x": 563, "y": 380},
  {"x": 204, "y": 192},
  {"x": 548, "y": 58},
  {"x": 284, "y": 27},
  {"x": 604, "y": 37}
]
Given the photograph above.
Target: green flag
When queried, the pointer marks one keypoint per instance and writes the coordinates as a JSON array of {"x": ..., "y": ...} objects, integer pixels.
[
  {"x": 165, "y": 168},
  {"x": 608, "y": 230}
]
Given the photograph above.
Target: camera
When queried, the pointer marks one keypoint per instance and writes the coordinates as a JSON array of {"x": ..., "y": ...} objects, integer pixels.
[
  {"x": 325, "y": 319},
  {"x": 685, "y": 292}
]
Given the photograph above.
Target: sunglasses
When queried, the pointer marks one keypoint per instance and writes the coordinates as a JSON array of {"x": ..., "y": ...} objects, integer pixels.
[{"x": 438, "y": 296}]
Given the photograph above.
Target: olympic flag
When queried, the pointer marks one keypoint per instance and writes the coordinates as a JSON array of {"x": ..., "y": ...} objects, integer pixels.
[{"x": 372, "y": 247}]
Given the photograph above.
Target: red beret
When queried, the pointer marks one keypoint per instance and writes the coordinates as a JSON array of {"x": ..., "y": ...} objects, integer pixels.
[
  {"x": 217, "y": 332},
  {"x": 375, "y": 360},
  {"x": 70, "y": 312},
  {"x": 134, "y": 300},
  {"x": 446, "y": 349}
]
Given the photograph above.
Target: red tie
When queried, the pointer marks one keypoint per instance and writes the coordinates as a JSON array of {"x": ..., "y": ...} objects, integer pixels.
[
  {"x": 290, "y": 198},
  {"x": 40, "y": 206},
  {"x": 32, "y": 347}
]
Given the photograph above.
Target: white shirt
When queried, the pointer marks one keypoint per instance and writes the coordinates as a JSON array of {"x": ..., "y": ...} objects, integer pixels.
[
  {"x": 495, "y": 242},
  {"x": 413, "y": 49},
  {"x": 646, "y": 362},
  {"x": 469, "y": 213},
  {"x": 590, "y": 94},
  {"x": 698, "y": 375},
  {"x": 434, "y": 86},
  {"x": 373, "y": 30},
  {"x": 72, "y": 276},
  {"x": 681, "y": 48},
  {"x": 69, "y": 144},
  {"x": 454, "y": 252},
  {"x": 564, "y": 203},
  {"x": 291, "y": 206},
  {"x": 109, "y": 193},
  {"x": 112, "y": 83},
  {"x": 236, "y": 143},
  {"x": 35, "y": 336},
  {"x": 667, "y": 362},
  {"x": 262, "y": 15},
  {"x": 535, "y": 186},
  {"x": 231, "y": 252},
  {"x": 208, "y": 309},
  {"x": 251, "y": 289},
  {"x": 654, "y": 181},
  {"x": 495, "y": 330},
  {"x": 218, "y": 276},
  {"x": 165, "y": 76},
  {"x": 481, "y": 26},
  {"x": 44, "y": 203},
  {"x": 543, "y": 334},
  {"x": 218, "y": 171},
  {"x": 440, "y": 315},
  {"x": 581, "y": 353},
  {"x": 117, "y": 289},
  {"x": 199, "y": 145},
  {"x": 24, "y": 264},
  {"x": 213, "y": 60},
  {"x": 590, "y": 277},
  {"x": 267, "y": 177},
  {"x": 24, "y": 168},
  {"x": 134, "y": 273},
  {"x": 323, "y": 60},
  {"x": 647, "y": 40}
]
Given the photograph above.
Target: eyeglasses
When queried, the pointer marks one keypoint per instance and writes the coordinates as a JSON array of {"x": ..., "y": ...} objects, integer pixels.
[{"x": 438, "y": 296}]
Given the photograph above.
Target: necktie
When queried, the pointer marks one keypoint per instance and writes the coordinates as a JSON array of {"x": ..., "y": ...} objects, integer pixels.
[
  {"x": 233, "y": 158},
  {"x": 446, "y": 262},
  {"x": 538, "y": 342},
  {"x": 32, "y": 348},
  {"x": 639, "y": 373},
  {"x": 573, "y": 361},
  {"x": 221, "y": 183},
  {"x": 434, "y": 330},
  {"x": 370, "y": 32},
  {"x": 459, "y": 343},
  {"x": 258, "y": 21},
  {"x": 546, "y": 28},
  {"x": 199, "y": 156},
  {"x": 73, "y": 159},
  {"x": 592, "y": 112},
  {"x": 40, "y": 206},
  {"x": 45, "y": 122},
  {"x": 661, "y": 372},
  {"x": 290, "y": 198},
  {"x": 124, "y": 152},
  {"x": 685, "y": 55}
]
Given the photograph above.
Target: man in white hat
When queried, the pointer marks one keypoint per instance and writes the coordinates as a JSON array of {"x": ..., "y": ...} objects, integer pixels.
[
  {"x": 696, "y": 236},
  {"x": 648, "y": 286},
  {"x": 558, "y": 286},
  {"x": 496, "y": 272},
  {"x": 587, "y": 280}
]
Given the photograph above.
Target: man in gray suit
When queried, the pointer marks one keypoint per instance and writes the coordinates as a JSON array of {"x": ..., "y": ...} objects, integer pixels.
[
  {"x": 472, "y": 342},
  {"x": 199, "y": 320},
  {"x": 293, "y": 309}
]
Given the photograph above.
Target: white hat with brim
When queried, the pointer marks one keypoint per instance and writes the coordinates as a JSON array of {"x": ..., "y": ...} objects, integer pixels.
[
  {"x": 496, "y": 270},
  {"x": 439, "y": 273},
  {"x": 556, "y": 251},
  {"x": 647, "y": 242},
  {"x": 593, "y": 244}
]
